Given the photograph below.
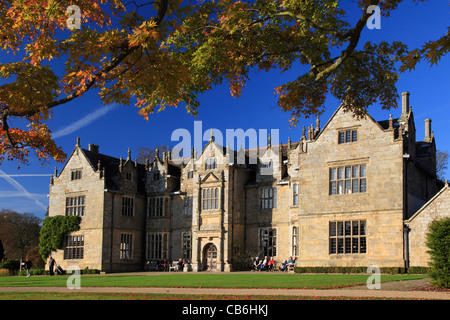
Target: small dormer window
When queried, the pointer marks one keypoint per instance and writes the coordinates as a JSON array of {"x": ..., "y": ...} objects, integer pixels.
[
  {"x": 267, "y": 165},
  {"x": 129, "y": 176},
  {"x": 210, "y": 163},
  {"x": 76, "y": 175},
  {"x": 266, "y": 168},
  {"x": 156, "y": 176},
  {"x": 348, "y": 136},
  {"x": 190, "y": 174}
]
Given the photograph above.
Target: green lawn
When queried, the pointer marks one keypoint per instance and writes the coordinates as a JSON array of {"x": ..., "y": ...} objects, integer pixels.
[{"x": 207, "y": 280}]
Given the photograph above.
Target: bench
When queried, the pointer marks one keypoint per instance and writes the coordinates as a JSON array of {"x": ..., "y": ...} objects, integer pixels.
[
  {"x": 151, "y": 266},
  {"x": 173, "y": 266}
]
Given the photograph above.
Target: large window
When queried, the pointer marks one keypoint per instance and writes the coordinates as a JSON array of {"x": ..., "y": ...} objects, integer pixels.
[
  {"x": 210, "y": 199},
  {"x": 349, "y": 179},
  {"x": 126, "y": 246},
  {"x": 75, "y": 206},
  {"x": 127, "y": 206},
  {"x": 157, "y": 245},
  {"x": 268, "y": 242},
  {"x": 74, "y": 248},
  {"x": 347, "y": 237},
  {"x": 155, "y": 207},
  {"x": 268, "y": 198}
]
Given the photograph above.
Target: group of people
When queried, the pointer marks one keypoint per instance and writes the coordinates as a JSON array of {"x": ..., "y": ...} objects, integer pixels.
[
  {"x": 264, "y": 265},
  {"x": 51, "y": 266},
  {"x": 269, "y": 264},
  {"x": 181, "y": 264},
  {"x": 163, "y": 265}
]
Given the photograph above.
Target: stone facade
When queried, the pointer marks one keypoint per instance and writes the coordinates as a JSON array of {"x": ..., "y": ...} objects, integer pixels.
[{"x": 337, "y": 197}]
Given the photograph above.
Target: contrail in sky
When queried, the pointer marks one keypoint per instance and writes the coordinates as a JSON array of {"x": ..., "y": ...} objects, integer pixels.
[
  {"x": 26, "y": 175},
  {"x": 21, "y": 189},
  {"x": 83, "y": 121}
]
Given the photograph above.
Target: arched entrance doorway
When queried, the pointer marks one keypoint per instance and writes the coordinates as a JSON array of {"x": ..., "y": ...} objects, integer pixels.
[{"x": 210, "y": 257}]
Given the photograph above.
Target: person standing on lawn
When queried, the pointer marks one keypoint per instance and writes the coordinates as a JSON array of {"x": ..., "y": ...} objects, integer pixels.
[
  {"x": 28, "y": 265},
  {"x": 51, "y": 265}
]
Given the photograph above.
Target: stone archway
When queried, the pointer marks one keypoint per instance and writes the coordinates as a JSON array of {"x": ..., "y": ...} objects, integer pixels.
[{"x": 210, "y": 257}]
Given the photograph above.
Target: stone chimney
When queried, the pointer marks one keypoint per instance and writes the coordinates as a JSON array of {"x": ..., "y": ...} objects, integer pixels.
[
  {"x": 427, "y": 130},
  {"x": 93, "y": 147},
  {"x": 405, "y": 104}
]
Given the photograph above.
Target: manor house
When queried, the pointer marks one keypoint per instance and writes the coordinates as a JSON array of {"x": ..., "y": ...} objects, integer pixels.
[{"x": 350, "y": 193}]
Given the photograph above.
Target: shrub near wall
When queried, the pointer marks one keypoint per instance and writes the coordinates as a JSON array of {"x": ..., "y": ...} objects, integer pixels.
[
  {"x": 34, "y": 272},
  {"x": 418, "y": 270},
  {"x": 4, "y": 272},
  {"x": 383, "y": 270},
  {"x": 53, "y": 231},
  {"x": 438, "y": 241},
  {"x": 40, "y": 272}
]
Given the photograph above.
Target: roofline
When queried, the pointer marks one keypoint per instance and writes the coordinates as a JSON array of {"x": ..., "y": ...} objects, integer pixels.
[
  {"x": 341, "y": 105},
  {"x": 446, "y": 187},
  {"x": 67, "y": 161},
  {"x": 89, "y": 161}
]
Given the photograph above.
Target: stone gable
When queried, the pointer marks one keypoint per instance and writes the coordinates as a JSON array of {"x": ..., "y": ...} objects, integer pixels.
[{"x": 417, "y": 226}]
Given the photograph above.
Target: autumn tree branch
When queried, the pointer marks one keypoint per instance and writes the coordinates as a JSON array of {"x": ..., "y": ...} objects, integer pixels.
[
  {"x": 353, "y": 37},
  {"x": 314, "y": 24},
  {"x": 5, "y": 128},
  {"x": 161, "y": 12}
]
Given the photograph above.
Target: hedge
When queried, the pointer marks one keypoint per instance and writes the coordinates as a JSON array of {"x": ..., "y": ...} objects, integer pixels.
[
  {"x": 40, "y": 272},
  {"x": 438, "y": 242},
  {"x": 383, "y": 270},
  {"x": 10, "y": 264}
]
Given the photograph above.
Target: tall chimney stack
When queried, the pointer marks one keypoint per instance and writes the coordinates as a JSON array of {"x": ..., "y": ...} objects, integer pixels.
[
  {"x": 93, "y": 147},
  {"x": 427, "y": 130},
  {"x": 405, "y": 104}
]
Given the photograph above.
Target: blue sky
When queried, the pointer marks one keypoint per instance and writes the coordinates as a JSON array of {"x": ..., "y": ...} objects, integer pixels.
[{"x": 116, "y": 128}]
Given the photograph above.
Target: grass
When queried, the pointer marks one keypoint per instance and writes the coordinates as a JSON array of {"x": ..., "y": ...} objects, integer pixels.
[
  {"x": 208, "y": 280},
  {"x": 190, "y": 280}
]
